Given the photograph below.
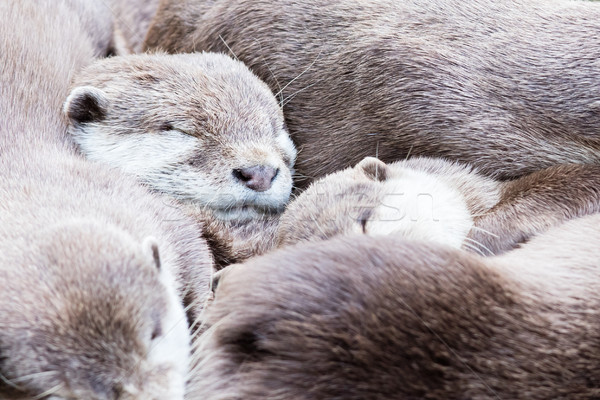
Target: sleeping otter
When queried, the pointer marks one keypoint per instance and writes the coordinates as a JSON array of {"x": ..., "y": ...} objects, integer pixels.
[
  {"x": 508, "y": 86},
  {"x": 381, "y": 317},
  {"x": 198, "y": 127},
  {"x": 94, "y": 270}
]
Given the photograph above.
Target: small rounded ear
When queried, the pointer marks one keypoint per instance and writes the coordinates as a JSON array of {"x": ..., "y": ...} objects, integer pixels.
[
  {"x": 373, "y": 168},
  {"x": 86, "y": 104},
  {"x": 150, "y": 246},
  {"x": 218, "y": 276}
]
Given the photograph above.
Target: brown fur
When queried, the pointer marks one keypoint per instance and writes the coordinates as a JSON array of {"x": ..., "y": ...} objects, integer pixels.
[
  {"x": 508, "y": 86},
  {"x": 382, "y": 318},
  {"x": 233, "y": 241},
  {"x": 535, "y": 202},
  {"x": 83, "y": 286}
]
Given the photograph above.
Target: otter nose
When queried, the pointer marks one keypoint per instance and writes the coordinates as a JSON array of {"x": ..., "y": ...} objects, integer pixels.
[{"x": 258, "y": 177}]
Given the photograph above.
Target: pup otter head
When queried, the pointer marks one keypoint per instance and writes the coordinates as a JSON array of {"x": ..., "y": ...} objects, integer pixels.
[
  {"x": 375, "y": 198},
  {"x": 199, "y": 127},
  {"x": 92, "y": 315}
]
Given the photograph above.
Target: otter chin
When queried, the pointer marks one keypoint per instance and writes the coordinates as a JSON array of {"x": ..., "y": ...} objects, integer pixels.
[{"x": 199, "y": 127}]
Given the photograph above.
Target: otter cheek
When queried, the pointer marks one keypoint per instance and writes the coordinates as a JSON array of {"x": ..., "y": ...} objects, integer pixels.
[{"x": 289, "y": 150}]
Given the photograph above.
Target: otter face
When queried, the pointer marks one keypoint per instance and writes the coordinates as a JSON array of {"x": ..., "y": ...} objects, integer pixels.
[
  {"x": 199, "y": 127},
  {"x": 101, "y": 325},
  {"x": 375, "y": 198}
]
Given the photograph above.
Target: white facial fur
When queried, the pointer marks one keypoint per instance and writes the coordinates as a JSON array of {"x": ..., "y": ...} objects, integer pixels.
[
  {"x": 138, "y": 154},
  {"x": 172, "y": 348},
  {"x": 418, "y": 205},
  {"x": 286, "y": 144},
  {"x": 159, "y": 160}
]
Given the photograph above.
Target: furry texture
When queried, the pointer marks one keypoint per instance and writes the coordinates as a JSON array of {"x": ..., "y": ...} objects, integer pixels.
[
  {"x": 509, "y": 86},
  {"x": 90, "y": 306},
  {"x": 184, "y": 124},
  {"x": 422, "y": 198},
  {"x": 132, "y": 19},
  {"x": 425, "y": 198},
  {"x": 385, "y": 318},
  {"x": 234, "y": 241},
  {"x": 536, "y": 202}
]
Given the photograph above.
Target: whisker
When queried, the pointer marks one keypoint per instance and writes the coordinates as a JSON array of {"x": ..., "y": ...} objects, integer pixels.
[
  {"x": 31, "y": 376},
  {"x": 485, "y": 231},
  {"x": 475, "y": 249},
  {"x": 48, "y": 392},
  {"x": 229, "y": 48},
  {"x": 272, "y": 74},
  {"x": 475, "y": 242},
  {"x": 302, "y": 73},
  {"x": 409, "y": 151},
  {"x": 10, "y": 383},
  {"x": 291, "y": 97}
]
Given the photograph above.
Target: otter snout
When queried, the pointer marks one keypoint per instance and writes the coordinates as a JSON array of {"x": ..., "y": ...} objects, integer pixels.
[{"x": 258, "y": 178}]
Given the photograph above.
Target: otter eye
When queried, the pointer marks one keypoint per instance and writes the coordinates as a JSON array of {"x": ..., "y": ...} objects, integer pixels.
[
  {"x": 156, "y": 332},
  {"x": 166, "y": 126},
  {"x": 363, "y": 219}
]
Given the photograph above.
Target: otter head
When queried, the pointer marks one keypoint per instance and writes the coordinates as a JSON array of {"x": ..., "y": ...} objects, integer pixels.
[
  {"x": 375, "y": 198},
  {"x": 199, "y": 127},
  {"x": 92, "y": 314}
]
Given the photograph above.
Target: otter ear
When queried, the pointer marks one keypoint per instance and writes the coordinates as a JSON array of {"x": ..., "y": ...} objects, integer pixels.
[
  {"x": 150, "y": 246},
  {"x": 86, "y": 104},
  {"x": 217, "y": 277},
  {"x": 373, "y": 168}
]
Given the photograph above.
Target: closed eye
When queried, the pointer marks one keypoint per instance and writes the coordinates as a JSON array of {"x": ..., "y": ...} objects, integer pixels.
[
  {"x": 363, "y": 219},
  {"x": 166, "y": 126},
  {"x": 156, "y": 332}
]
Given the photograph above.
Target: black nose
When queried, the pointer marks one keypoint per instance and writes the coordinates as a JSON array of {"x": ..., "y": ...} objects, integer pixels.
[{"x": 257, "y": 178}]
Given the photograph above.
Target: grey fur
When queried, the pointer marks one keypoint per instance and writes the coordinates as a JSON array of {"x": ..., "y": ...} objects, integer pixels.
[
  {"x": 384, "y": 318},
  {"x": 197, "y": 117},
  {"x": 509, "y": 86},
  {"x": 81, "y": 291}
]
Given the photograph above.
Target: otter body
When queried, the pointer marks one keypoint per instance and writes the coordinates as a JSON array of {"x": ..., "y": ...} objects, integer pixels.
[
  {"x": 442, "y": 201},
  {"x": 94, "y": 270},
  {"x": 385, "y": 318},
  {"x": 507, "y": 86}
]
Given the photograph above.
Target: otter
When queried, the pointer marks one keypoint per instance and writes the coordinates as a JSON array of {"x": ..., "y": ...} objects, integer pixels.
[
  {"x": 508, "y": 86},
  {"x": 422, "y": 198},
  {"x": 95, "y": 270},
  {"x": 388, "y": 318},
  {"x": 440, "y": 200},
  {"x": 419, "y": 198},
  {"x": 198, "y": 127}
]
